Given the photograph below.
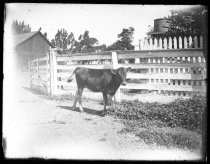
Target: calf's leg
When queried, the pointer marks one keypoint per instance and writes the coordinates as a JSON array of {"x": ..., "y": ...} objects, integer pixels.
[
  {"x": 75, "y": 100},
  {"x": 105, "y": 100},
  {"x": 80, "y": 90},
  {"x": 114, "y": 102}
]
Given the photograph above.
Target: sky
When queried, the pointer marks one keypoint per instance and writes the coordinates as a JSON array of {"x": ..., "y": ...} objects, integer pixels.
[{"x": 103, "y": 21}]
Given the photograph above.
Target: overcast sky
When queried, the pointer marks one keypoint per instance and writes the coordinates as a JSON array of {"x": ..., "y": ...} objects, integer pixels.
[{"x": 103, "y": 22}]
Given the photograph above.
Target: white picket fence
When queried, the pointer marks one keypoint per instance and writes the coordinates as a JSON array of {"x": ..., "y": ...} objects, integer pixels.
[
  {"x": 150, "y": 43},
  {"x": 179, "y": 72}
]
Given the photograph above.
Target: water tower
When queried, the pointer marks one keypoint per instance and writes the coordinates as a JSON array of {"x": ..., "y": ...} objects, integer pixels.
[{"x": 160, "y": 27}]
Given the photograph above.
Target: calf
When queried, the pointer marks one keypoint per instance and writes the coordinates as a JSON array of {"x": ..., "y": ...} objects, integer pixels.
[{"x": 106, "y": 81}]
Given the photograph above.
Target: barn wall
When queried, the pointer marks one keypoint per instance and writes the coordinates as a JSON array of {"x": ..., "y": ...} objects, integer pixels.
[
  {"x": 39, "y": 47},
  {"x": 35, "y": 47}
]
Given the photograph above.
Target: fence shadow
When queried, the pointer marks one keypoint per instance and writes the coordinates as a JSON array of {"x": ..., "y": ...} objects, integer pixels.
[
  {"x": 36, "y": 92},
  {"x": 86, "y": 110}
]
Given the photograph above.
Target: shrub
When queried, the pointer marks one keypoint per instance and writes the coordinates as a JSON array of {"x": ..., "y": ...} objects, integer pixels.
[{"x": 179, "y": 113}]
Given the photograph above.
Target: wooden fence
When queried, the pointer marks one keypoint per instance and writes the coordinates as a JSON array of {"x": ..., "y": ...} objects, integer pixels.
[
  {"x": 40, "y": 74},
  {"x": 178, "y": 72},
  {"x": 185, "y": 42}
]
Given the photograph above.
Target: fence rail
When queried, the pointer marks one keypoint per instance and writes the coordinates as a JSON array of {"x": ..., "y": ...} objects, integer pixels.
[{"x": 169, "y": 72}]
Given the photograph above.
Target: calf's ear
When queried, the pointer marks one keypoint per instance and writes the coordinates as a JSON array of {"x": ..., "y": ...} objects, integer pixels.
[{"x": 128, "y": 69}]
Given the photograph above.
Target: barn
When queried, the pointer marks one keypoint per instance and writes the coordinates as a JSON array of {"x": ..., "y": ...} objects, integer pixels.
[{"x": 29, "y": 46}]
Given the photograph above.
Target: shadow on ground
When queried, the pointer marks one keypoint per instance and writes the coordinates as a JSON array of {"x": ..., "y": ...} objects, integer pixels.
[
  {"x": 86, "y": 110},
  {"x": 33, "y": 91}
]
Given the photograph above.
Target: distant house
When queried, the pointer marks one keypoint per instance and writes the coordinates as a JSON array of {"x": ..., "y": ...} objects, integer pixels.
[{"x": 29, "y": 46}]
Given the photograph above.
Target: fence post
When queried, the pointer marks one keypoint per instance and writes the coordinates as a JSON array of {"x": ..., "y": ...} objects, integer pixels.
[
  {"x": 53, "y": 72},
  {"x": 155, "y": 44},
  {"x": 170, "y": 43},
  {"x": 185, "y": 42},
  {"x": 165, "y": 43},
  {"x": 175, "y": 43},
  {"x": 115, "y": 66},
  {"x": 201, "y": 41},
  {"x": 48, "y": 73},
  {"x": 37, "y": 70},
  {"x": 160, "y": 43},
  {"x": 140, "y": 44},
  {"x": 190, "y": 42},
  {"x": 137, "y": 60},
  {"x": 29, "y": 64},
  {"x": 150, "y": 44},
  {"x": 180, "y": 43},
  {"x": 146, "y": 47},
  {"x": 196, "y": 42}
]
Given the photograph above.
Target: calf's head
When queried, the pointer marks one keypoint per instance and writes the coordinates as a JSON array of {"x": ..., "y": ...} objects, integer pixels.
[{"x": 121, "y": 74}]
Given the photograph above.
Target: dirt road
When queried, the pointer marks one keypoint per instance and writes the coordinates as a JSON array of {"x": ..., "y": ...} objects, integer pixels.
[{"x": 36, "y": 127}]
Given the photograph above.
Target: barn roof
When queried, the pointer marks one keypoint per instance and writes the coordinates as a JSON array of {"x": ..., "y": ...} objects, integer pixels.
[{"x": 22, "y": 38}]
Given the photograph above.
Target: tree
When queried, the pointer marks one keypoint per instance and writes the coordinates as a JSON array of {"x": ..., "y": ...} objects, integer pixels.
[
  {"x": 115, "y": 46},
  {"x": 64, "y": 41},
  {"x": 86, "y": 43},
  {"x": 100, "y": 48},
  {"x": 124, "y": 41},
  {"x": 185, "y": 22},
  {"x": 20, "y": 27}
]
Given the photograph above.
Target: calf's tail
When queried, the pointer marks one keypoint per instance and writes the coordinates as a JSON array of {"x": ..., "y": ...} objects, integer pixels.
[{"x": 71, "y": 77}]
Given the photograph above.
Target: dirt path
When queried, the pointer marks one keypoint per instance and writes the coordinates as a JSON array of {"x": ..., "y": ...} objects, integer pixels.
[{"x": 36, "y": 127}]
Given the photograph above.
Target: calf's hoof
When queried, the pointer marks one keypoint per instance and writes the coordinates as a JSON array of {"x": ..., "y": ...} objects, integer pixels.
[
  {"x": 73, "y": 108},
  {"x": 81, "y": 110},
  {"x": 104, "y": 112}
]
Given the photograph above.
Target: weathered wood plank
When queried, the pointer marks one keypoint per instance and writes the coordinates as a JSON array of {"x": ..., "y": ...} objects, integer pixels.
[
  {"x": 150, "y": 86},
  {"x": 161, "y": 53},
  {"x": 94, "y": 66},
  {"x": 163, "y": 65},
  {"x": 163, "y": 76},
  {"x": 43, "y": 71},
  {"x": 83, "y": 57},
  {"x": 43, "y": 58},
  {"x": 43, "y": 67}
]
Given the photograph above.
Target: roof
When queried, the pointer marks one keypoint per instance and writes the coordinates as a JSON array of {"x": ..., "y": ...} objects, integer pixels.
[
  {"x": 22, "y": 38},
  {"x": 153, "y": 32},
  {"x": 160, "y": 19}
]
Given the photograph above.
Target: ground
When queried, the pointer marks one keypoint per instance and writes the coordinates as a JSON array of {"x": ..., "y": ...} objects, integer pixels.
[{"x": 34, "y": 126}]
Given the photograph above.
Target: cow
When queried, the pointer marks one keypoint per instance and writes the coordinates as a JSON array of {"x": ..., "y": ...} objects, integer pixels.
[{"x": 106, "y": 81}]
